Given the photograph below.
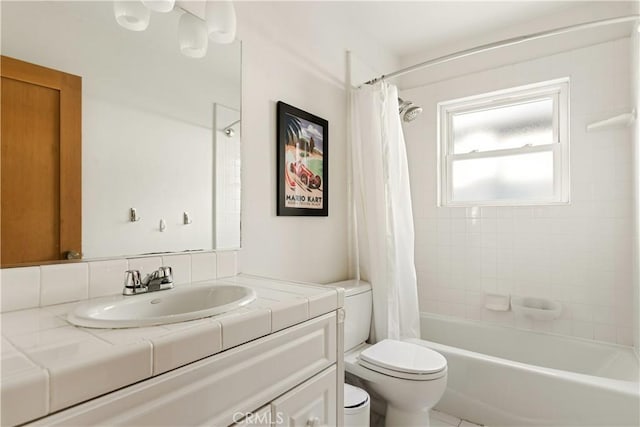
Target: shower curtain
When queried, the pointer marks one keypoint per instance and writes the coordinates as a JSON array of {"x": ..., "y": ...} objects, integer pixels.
[{"x": 383, "y": 220}]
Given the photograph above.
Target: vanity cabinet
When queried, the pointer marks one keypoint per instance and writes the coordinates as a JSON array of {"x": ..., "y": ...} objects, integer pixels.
[
  {"x": 259, "y": 418},
  {"x": 311, "y": 404},
  {"x": 293, "y": 372}
]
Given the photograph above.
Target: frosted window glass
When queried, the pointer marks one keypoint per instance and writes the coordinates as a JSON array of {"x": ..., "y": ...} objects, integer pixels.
[
  {"x": 509, "y": 126},
  {"x": 518, "y": 177}
]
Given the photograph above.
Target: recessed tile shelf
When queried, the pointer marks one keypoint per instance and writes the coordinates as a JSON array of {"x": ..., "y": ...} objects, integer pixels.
[{"x": 58, "y": 365}]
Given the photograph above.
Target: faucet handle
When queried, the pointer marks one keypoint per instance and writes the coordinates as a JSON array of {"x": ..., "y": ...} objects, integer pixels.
[
  {"x": 132, "y": 279},
  {"x": 165, "y": 273}
]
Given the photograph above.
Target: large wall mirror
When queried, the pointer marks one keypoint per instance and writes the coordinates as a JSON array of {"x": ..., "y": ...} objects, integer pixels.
[{"x": 160, "y": 130}]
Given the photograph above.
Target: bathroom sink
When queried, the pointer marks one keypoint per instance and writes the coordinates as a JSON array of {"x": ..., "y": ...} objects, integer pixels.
[{"x": 171, "y": 306}]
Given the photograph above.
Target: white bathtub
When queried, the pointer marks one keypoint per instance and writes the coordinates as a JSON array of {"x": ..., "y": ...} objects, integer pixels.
[{"x": 500, "y": 376}]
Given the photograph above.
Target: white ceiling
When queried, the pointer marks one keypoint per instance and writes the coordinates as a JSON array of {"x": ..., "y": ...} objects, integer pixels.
[
  {"x": 385, "y": 35},
  {"x": 408, "y": 27}
]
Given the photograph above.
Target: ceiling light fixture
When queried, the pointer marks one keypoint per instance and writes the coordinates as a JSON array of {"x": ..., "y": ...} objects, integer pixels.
[
  {"x": 132, "y": 15},
  {"x": 192, "y": 36},
  {"x": 162, "y": 6},
  {"x": 221, "y": 21},
  {"x": 194, "y": 33}
]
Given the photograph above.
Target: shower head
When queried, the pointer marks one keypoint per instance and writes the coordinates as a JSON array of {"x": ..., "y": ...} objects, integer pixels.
[
  {"x": 229, "y": 130},
  {"x": 407, "y": 110},
  {"x": 412, "y": 113},
  {"x": 402, "y": 104}
]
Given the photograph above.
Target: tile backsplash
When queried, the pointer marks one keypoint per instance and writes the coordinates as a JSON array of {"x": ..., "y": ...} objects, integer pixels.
[
  {"x": 61, "y": 283},
  {"x": 105, "y": 277},
  {"x": 37, "y": 286},
  {"x": 20, "y": 288}
]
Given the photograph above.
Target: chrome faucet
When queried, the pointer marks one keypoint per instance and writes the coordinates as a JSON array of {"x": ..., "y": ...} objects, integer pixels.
[{"x": 159, "y": 280}]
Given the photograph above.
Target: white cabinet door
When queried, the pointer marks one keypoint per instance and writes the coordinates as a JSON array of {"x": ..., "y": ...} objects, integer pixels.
[
  {"x": 259, "y": 418},
  {"x": 311, "y": 404}
]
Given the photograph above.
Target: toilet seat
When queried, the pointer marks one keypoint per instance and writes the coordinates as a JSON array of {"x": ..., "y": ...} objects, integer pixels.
[{"x": 405, "y": 360}]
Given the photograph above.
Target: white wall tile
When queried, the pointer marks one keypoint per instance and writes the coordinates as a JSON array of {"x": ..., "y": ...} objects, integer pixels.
[
  {"x": 624, "y": 336},
  {"x": 227, "y": 263},
  {"x": 604, "y": 333},
  {"x": 577, "y": 253},
  {"x": 145, "y": 265},
  {"x": 203, "y": 266},
  {"x": 582, "y": 329},
  {"x": 489, "y": 225},
  {"x": 63, "y": 283},
  {"x": 489, "y": 212},
  {"x": 473, "y": 212},
  {"x": 181, "y": 267},
  {"x": 106, "y": 277},
  {"x": 562, "y": 326},
  {"x": 20, "y": 288}
]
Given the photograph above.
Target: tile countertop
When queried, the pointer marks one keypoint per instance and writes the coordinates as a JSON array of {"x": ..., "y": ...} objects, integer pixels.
[{"x": 47, "y": 364}]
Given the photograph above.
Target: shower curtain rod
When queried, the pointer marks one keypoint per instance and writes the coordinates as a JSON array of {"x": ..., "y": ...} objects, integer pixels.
[{"x": 504, "y": 43}]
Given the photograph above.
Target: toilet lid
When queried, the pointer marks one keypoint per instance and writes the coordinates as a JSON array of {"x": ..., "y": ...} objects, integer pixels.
[
  {"x": 354, "y": 396},
  {"x": 405, "y": 357}
]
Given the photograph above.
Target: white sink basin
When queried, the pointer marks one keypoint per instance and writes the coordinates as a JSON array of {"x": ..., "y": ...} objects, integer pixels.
[{"x": 157, "y": 308}]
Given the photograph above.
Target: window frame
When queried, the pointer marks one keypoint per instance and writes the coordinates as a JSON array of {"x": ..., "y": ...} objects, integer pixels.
[{"x": 557, "y": 90}]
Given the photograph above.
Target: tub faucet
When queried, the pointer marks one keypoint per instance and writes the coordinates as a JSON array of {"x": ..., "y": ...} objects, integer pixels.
[{"x": 159, "y": 280}]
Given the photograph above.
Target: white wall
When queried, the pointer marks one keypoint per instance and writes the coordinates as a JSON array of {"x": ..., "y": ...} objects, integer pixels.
[
  {"x": 635, "y": 79},
  {"x": 300, "y": 62},
  {"x": 579, "y": 254},
  {"x": 298, "y": 248},
  {"x": 158, "y": 165},
  {"x": 317, "y": 34}
]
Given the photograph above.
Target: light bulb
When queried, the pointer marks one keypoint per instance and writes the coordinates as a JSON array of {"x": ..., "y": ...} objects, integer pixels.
[
  {"x": 162, "y": 6},
  {"x": 192, "y": 36},
  {"x": 221, "y": 21},
  {"x": 131, "y": 15}
]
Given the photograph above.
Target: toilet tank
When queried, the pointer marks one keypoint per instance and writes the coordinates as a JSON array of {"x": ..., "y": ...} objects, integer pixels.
[{"x": 357, "y": 306}]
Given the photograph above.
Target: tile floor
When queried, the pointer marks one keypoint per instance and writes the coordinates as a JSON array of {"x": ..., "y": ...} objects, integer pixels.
[{"x": 440, "y": 419}]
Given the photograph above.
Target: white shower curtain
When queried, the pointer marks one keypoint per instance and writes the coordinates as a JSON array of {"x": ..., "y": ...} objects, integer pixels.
[{"x": 384, "y": 235}]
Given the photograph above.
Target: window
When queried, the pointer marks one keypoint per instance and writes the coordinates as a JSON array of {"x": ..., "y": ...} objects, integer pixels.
[{"x": 505, "y": 148}]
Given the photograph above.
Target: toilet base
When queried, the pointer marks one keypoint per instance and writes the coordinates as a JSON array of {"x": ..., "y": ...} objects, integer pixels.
[{"x": 398, "y": 417}]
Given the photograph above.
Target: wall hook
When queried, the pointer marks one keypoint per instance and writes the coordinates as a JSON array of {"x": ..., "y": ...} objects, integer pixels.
[
  {"x": 133, "y": 215},
  {"x": 163, "y": 225},
  {"x": 186, "y": 219}
]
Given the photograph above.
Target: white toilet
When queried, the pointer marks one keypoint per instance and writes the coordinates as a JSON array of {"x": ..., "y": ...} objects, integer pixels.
[{"x": 411, "y": 378}]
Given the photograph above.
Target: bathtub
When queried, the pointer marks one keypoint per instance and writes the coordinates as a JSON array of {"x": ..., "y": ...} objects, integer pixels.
[{"x": 500, "y": 376}]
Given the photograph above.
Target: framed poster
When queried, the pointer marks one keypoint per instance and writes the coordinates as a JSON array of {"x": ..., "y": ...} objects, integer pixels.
[{"x": 303, "y": 163}]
